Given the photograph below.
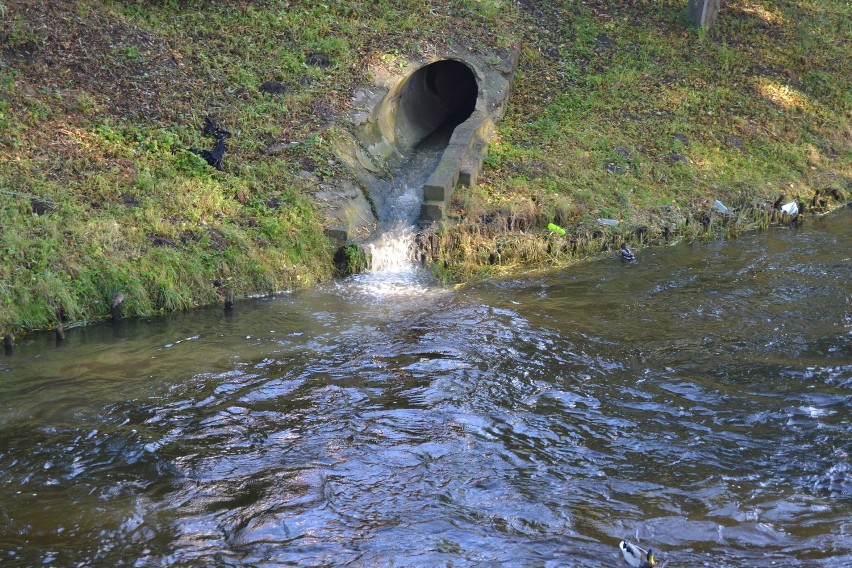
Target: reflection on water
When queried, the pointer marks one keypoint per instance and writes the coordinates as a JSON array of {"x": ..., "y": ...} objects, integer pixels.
[{"x": 697, "y": 402}]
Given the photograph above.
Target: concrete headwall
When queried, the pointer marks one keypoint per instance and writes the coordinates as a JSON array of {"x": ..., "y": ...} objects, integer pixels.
[{"x": 459, "y": 89}]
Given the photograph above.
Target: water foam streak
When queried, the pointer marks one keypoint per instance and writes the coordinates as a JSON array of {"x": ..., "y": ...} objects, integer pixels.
[{"x": 393, "y": 251}]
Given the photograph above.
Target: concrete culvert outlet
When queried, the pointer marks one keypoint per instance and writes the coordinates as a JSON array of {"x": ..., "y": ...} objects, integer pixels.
[
  {"x": 415, "y": 134},
  {"x": 438, "y": 96}
]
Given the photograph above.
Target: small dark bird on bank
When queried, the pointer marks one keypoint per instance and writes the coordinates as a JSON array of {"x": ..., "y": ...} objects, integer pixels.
[
  {"x": 626, "y": 254},
  {"x": 215, "y": 131},
  {"x": 214, "y": 156}
]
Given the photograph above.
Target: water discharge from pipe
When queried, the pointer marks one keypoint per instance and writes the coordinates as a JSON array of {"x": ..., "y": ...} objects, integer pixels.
[
  {"x": 437, "y": 98},
  {"x": 393, "y": 251},
  {"x": 416, "y": 135},
  {"x": 394, "y": 276},
  {"x": 398, "y": 203}
]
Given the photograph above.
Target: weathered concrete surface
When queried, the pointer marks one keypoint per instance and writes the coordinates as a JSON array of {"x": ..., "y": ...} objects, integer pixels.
[
  {"x": 348, "y": 210},
  {"x": 460, "y": 165},
  {"x": 405, "y": 105}
]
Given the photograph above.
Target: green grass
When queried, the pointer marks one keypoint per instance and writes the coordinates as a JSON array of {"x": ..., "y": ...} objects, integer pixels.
[
  {"x": 100, "y": 102},
  {"x": 753, "y": 110}
]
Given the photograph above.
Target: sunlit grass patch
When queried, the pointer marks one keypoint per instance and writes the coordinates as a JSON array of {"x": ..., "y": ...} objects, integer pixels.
[
  {"x": 766, "y": 13},
  {"x": 781, "y": 95}
]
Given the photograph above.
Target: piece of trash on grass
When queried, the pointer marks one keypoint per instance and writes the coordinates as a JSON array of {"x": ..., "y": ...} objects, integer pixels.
[
  {"x": 556, "y": 229},
  {"x": 610, "y": 222},
  {"x": 791, "y": 208},
  {"x": 720, "y": 207}
]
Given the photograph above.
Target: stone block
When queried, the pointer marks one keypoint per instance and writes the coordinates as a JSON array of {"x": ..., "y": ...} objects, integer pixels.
[
  {"x": 434, "y": 192},
  {"x": 432, "y": 210},
  {"x": 337, "y": 236},
  {"x": 443, "y": 180}
]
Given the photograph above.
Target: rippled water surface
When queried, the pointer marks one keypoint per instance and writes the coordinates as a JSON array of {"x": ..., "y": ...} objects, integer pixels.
[{"x": 697, "y": 402}]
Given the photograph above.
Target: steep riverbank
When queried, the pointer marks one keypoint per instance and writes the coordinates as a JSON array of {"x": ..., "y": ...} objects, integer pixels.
[{"x": 618, "y": 112}]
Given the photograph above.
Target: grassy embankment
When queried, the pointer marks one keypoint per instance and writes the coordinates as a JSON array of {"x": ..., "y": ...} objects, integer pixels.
[
  {"x": 619, "y": 111},
  {"x": 623, "y": 112},
  {"x": 99, "y": 102}
]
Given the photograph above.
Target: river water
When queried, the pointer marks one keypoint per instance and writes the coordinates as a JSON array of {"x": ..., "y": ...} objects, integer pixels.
[{"x": 696, "y": 401}]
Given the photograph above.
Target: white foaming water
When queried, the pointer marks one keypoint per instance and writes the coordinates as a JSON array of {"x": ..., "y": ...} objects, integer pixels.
[
  {"x": 394, "y": 273},
  {"x": 393, "y": 252}
]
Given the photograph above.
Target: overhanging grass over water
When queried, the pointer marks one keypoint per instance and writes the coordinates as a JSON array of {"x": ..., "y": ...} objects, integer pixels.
[{"x": 619, "y": 111}]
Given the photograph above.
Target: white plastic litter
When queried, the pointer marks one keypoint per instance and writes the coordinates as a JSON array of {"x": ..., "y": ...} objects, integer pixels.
[
  {"x": 791, "y": 208},
  {"x": 721, "y": 207},
  {"x": 610, "y": 222}
]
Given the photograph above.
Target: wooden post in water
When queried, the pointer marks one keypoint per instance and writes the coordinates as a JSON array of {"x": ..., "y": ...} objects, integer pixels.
[
  {"x": 116, "y": 307},
  {"x": 9, "y": 344},
  {"x": 229, "y": 299},
  {"x": 702, "y": 13},
  {"x": 227, "y": 293}
]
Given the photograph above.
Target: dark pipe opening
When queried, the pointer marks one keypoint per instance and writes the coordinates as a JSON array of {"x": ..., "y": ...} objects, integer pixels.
[{"x": 437, "y": 97}]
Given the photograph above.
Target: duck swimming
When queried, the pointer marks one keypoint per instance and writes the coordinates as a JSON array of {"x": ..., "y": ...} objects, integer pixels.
[
  {"x": 638, "y": 557},
  {"x": 626, "y": 254}
]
